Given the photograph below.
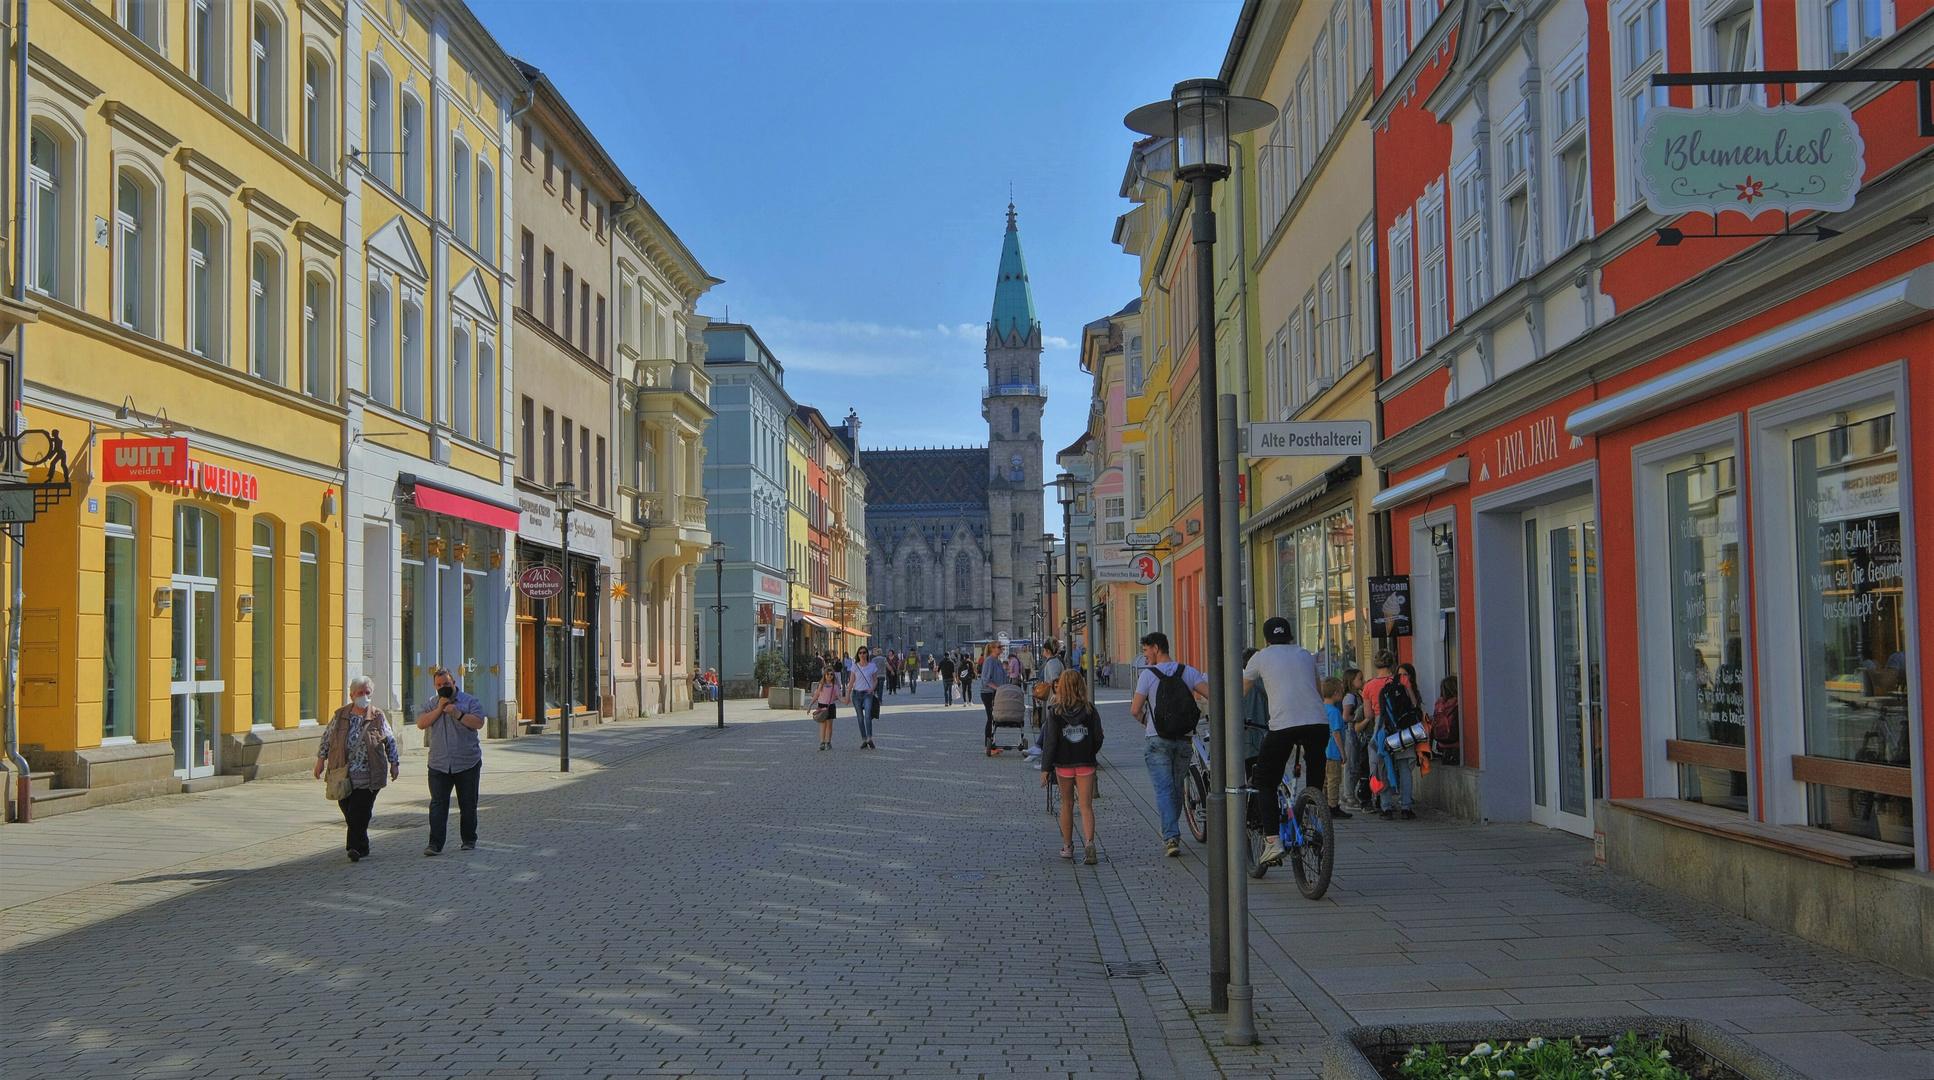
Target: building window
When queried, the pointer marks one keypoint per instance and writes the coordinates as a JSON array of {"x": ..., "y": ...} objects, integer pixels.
[
  {"x": 1403, "y": 295},
  {"x": 584, "y": 317},
  {"x": 263, "y": 626},
  {"x": 1436, "y": 283},
  {"x": 1731, "y": 45},
  {"x": 413, "y": 358},
  {"x": 413, "y": 150},
  {"x": 318, "y": 338},
  {"x": 565, "y": 445},
  {"x": 487, "y": 405},
  {"x": 1571, "y": 174},
  {"x": 1366, "y": 269},
  {"x": 50, "y": 232},
  {"x": 550, "y": 448},
  {"x": 527, "y": 271},
  {"x": 207, "y": 44},
  {"x": 1316, "y": 588},
  {"x": 1114, "y": 512},
  {"x": 1640, "y": 54},
  {"x": 527, "y": 440},
  {"x": 525, "y": 145},
  {"x": 1396, "y": 36},
  {"x": 380, "y": 135},
  {"x": 602, "y": 492},
  {"x": 309, "y": 651},
  {"x": 486, "y": 212},
  {"x": 265, "y": 314},
  {"x": 1014, "y": 420},
  {"x": 567, "y": 298},
  {"x": 601, "y": 332},
  {"x": 1346, "y": 346},
  {"x": 1852, "y": 25},
  {"x": 963, "y": 580},
  {"x": 1135, "y": 372},
  {"x": 584, "y": 461},
  {"x": 135, "y": 250},
  {"x": 142, "y": 18},
  {"x": 205, "y": 291},
  {"x": 318, "y": 118},
  {"x": 1468, "y": 214},
  {"x": 1514, "y": 187},
  {"x": 460, "y": 376},
  {"x": 460, "y": 192},
  {"x": 381, "y": 375},
  {"x": 120, "y": 661},
  {"x": 265, "y": 68},
  {"x": 1707, "y": 586}
]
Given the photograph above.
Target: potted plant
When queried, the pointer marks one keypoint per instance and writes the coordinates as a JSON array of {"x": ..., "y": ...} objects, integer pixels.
[{"x": 1600, "y": 1048}]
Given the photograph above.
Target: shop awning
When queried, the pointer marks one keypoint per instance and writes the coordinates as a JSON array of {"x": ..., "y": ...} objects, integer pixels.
[
  {"x": 807, "y": 616},
  {"x": 438, "y": 499},
  {"x": 1444, "y": 477}
]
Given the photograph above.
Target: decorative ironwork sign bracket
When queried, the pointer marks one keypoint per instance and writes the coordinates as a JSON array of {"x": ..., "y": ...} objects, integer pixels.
[
  {"x": 1922, "y": 78},
  {"x": 36, "y": 477}
]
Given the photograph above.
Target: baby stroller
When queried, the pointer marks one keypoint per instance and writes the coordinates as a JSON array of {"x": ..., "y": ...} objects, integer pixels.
[{"x": 1010, "y": 711}]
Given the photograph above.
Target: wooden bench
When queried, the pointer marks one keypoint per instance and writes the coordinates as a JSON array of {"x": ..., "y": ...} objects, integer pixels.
[{"x": 1819, "y": 845}]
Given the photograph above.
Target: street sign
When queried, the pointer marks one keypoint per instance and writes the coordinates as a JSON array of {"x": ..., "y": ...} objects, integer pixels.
[
  {"x": 16, "y": 506},
  {"x": 541, "y": 582},
  {"x": 1309, "y": 438},
  {"x": 1143, "y": 539},
  {"x": 1751, "y": 159}
]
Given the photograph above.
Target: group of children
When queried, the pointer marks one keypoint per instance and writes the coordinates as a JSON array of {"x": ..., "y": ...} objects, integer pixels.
[{"x": 1374, "y": 775}]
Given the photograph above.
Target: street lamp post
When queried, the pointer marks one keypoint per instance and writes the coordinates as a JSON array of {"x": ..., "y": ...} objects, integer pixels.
[
  {"x": 1066, "y": 487},
  {"x": 792, "y": 578},
  {"x": 566, "y": 496},
  {"x": 718, "y": 610},
  {"x": 842, "y": 615},
  {"x": 1201, "y": 116},
  {"x": 1048, "y": 628}
]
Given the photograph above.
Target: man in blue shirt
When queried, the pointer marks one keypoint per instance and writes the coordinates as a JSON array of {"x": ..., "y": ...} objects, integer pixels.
[{"x": 453, "y": 719}]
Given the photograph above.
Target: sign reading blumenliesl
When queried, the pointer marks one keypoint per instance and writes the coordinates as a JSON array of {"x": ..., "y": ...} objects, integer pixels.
[{"x": 1751, "y": 159}]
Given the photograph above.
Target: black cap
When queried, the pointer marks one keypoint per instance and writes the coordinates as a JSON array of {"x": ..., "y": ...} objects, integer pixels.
[{"x": 1276, "y": 631}]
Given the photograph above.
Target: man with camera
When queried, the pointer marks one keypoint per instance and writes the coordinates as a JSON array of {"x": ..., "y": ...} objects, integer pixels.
[{"x": 453, "y": 719}]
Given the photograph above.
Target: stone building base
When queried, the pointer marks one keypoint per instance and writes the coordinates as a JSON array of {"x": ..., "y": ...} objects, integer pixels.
[
  {"x": 112, "y": 774},
  {"x": 253, "y": 755}
]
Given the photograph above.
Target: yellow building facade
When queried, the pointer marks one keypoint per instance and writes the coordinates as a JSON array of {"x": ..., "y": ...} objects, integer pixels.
[{"x": 182, "y": 622}]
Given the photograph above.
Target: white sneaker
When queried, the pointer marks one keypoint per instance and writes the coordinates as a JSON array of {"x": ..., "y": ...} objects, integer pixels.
[{"x": 1272, "y": 850}]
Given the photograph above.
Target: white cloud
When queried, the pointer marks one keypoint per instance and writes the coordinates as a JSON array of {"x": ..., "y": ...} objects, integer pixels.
[{"x": 1056, "y": 343}]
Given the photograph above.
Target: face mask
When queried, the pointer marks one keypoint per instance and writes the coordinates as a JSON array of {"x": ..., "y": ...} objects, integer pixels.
[{"x": 362, "y": 701}]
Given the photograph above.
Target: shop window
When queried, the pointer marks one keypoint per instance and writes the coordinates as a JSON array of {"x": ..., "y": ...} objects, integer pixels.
[
  {"x": 1853, "y": 631},
  {"x": 310, "y": 650},
  {"x": 318, "y": 338},
  {"x": 205, "y": 290},
  {"x": 417, "y": 612},
  {"x": 120, "y": 664},
  {"x": 1702, "y": 521},
  {"x": 265, "y": 313},
  {"x": 263, "y": 626},
  {"x": 265, "y": 69},
  {"x": 412, "y": 152},
  {"x": 51, "y": 208},
  {"x": 381, "y": 373},
  {"x": 135, "y": 250},
  {"x": 208, "y": 44},
  {"x": 380, "y": 132},
  {"x": 318, "y": 113},
  {"x": 1316, "y": 588},
  {"x": 198, "y": 548},
  {"x": 413, "y": 358}
]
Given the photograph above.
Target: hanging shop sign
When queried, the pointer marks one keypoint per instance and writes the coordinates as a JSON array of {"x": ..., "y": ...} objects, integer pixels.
[
  {"x": 1751, "y": 159},
  {"x": 1309, "y": 438},
  {"x": 541, "y": 582},
  {"x": 1143, "y": 539},
  {"x": 134, "y": 461},
  {"x": 1390, "y": 606}
]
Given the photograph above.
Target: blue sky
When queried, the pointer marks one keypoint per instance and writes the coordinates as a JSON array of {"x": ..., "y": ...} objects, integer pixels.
[{"x": 845, "y": 168}]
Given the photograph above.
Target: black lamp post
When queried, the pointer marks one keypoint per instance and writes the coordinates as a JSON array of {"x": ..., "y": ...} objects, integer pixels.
[
  {"x": 718, "y": 610},
  {"x": 1066, "y": 487},
  {"x": 792, "y": 579},
  {"x": 1201, "y": 116},
  {"x": 566, "y": 495}
]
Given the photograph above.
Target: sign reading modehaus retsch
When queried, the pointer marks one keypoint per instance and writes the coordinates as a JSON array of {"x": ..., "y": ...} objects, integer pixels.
[{"x": 1751, "y": 159}]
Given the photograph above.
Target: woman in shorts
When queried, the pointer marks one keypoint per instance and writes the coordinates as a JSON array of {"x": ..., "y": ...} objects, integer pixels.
[{"x": 1070, "y": 741}]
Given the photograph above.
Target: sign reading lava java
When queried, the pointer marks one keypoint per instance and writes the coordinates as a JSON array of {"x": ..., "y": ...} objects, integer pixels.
[
  {"x": 1390, "y": 606},
  {"x": 1751, "y": 159}
]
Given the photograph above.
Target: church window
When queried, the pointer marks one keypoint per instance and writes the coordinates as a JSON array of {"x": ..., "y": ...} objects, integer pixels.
[
  {"x": 1015, "y": 471},
  {"x": 914, "y": 570},
  {"x": 1014, "y": 420},
  {"x": 963, "y": 572}
]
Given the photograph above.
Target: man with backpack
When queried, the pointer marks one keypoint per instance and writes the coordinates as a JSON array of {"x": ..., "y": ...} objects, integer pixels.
[
  {"x": 1173, "y": 689},
  {"x": 1394, "y": 712},
  {"x": 1297, "y": 718}
]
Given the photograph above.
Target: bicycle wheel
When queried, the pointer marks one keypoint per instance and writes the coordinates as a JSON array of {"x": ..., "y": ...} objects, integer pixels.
[
  {"x": 1195, "y": 798},
  {"x": 1316, "y": 857}
]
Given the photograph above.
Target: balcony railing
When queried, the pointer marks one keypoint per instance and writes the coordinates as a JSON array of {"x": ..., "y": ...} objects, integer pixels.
[
  {"x": 691, "y": 511},
  {"x": 1039, "y": 389}
]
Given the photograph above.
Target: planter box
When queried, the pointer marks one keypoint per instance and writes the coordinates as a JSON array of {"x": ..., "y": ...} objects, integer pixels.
[
  {"x": 1699, "y": 1047},
  {"x": 786, "y": 697}
]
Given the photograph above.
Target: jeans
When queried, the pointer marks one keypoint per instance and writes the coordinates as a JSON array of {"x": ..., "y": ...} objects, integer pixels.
[
  {"x": 1399, "y": 771},
  {"x": 1358, "y": 788},
  {"x": 864, "y": 704},
  {"x": 356, "y": 810},
  {"x": 466, "y": 784},
  {"x": 987, "y": 699},
  {"x": 1168, "y": 765},
  {"x": 947, "y": 691},
  {"x": 1273, "y": 758}
]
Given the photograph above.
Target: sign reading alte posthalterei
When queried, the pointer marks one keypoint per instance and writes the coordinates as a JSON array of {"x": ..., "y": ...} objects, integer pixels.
[{"x": 1751, "y": 159}]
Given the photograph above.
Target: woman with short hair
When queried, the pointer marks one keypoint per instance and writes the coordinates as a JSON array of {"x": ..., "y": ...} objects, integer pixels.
[{"x": 354, "y": 748}]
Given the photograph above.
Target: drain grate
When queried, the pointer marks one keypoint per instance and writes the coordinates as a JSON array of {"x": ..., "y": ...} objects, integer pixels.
[{"x": 1135, "y": 969}]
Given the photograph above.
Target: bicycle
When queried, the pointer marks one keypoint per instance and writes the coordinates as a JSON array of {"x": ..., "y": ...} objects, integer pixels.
[
  {"x": 1195, "y": 788},
  {"x": 1307, "y": 833}
]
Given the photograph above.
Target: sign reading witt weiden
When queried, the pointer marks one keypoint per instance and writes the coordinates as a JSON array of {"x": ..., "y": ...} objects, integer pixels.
[
  {"x": 1751, "y": 159},
  {"x": 1311, "y": 438}
]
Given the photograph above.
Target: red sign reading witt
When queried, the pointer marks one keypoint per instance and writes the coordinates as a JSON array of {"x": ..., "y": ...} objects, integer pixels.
[{"x": 541, "y": 582}]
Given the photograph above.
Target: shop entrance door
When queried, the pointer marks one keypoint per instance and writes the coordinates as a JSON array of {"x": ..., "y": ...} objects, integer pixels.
[
  {"x": 1561, "y": 564},
  {"x": 196, "y": 682}
]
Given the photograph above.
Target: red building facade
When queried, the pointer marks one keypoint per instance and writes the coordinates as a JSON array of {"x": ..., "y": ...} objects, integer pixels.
[{"x": 1657, "y": 503}]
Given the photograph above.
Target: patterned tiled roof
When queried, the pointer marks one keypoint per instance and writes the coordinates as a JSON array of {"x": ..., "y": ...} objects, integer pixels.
[{"x": 925, "y": 478}]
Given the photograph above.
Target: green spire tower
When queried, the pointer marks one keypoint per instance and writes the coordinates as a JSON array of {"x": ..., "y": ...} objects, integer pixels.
[{"x": 1011, "y": 403}]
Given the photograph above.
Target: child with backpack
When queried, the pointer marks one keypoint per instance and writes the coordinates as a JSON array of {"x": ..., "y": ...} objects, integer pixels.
[
  {"x": 1395, "y": 715},
  {"x": 1444, "y": 734},
  {"x": 1070, "y": 739}
]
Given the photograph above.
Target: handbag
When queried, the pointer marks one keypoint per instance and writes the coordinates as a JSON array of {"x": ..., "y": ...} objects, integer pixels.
[{"x": 336, "y": 784}]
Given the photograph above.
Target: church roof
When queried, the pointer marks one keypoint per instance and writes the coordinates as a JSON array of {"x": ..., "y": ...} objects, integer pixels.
[
  {"x": 1013, "y": 296},
  {"x": 925, "y": 478}
]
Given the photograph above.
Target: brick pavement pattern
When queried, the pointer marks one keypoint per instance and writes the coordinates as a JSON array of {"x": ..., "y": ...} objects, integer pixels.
[{"x": 689, "y": 902}]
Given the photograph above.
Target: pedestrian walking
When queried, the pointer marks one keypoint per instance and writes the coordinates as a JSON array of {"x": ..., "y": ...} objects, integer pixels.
[
  {"x": 354, "y": 747},
  {"x": 826, "y": 707},
  {"x": 1070, "y": 743},
  {"x": 947, "y": 680},
  {"x": 993, "y": 676},
  {"x": 1297, "y": 721},
  {"x": 1167, "y": 698},
  {"x": 453, "y": 719},
  {"x": 964, "y": 669},
  {"x": 862, "y": 692}
]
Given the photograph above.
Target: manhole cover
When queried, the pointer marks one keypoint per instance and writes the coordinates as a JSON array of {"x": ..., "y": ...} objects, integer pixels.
[{"x": 1135, "y": 969}]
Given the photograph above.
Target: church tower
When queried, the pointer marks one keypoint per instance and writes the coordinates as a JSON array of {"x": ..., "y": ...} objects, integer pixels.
[{"x": 1011, "y": 403}]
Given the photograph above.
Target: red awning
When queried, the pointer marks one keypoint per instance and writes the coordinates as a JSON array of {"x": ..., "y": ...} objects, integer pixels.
[{"x": 439, "y": 501}]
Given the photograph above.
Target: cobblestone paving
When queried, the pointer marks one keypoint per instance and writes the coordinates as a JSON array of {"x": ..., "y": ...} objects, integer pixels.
[{"x": 702, "y": 903}]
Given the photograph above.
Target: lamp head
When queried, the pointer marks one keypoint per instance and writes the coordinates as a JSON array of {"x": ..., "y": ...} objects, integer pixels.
[
  {"x": 718, "y": 551},
  {"x": 565, "y": 495},
  {"x": 1201, "y": 116}
]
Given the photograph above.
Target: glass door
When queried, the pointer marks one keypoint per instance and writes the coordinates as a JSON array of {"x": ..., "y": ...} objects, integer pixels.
[
  {"x": 1562, "y": 568},
  {"x": 196, "y": 679}
]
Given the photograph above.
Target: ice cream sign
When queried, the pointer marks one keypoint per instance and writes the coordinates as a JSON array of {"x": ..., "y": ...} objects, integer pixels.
[
  {"x": 166, "y": 461},
  {"x": 1750, "y": 159}
]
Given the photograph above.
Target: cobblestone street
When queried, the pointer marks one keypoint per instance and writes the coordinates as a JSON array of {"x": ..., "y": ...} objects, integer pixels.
[{"x": 696, "y": 902}]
